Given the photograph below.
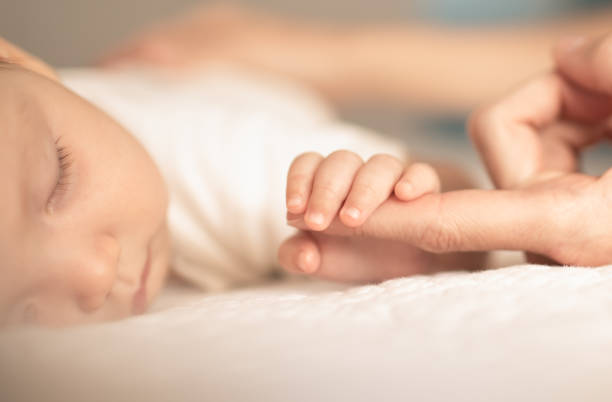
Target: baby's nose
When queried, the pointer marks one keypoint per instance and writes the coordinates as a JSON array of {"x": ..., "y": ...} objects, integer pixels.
[{"x": 95, "y": 274}]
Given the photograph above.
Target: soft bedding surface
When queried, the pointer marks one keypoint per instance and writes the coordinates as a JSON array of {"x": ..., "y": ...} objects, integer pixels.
[{"x": 524, "y": 333}]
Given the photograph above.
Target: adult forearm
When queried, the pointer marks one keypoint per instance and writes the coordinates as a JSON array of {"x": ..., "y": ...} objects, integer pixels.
[{"x": 445, "y": 69}]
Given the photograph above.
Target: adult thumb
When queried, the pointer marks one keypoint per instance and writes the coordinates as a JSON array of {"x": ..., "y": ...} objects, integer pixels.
[{"x": 586, "y": 62}]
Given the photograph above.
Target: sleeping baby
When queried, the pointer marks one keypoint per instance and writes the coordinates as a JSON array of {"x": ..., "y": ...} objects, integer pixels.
[{"x": 114, "y": 178}]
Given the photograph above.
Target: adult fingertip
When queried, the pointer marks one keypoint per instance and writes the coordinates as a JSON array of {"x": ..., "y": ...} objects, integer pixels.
[{"x": 570, "y": 43}]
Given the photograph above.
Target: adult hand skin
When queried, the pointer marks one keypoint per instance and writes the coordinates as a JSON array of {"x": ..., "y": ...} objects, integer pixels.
[{"x": 530, "y": 142}]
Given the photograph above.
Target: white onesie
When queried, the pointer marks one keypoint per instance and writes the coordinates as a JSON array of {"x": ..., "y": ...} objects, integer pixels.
[{"x": 224, "y": 142}]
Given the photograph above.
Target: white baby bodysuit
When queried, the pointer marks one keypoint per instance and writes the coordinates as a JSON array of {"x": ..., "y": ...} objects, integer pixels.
[{"x": 224, "y": 141}]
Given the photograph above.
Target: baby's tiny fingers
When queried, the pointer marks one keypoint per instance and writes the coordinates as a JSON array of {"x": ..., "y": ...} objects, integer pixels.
[
  {"x": 332, "y": 183},
  {"x": 372, "y": 186},
  {"x": 419, "y": 179},
  {"x": 300, "y": 254},
  {"x": 299, "y": 181}
]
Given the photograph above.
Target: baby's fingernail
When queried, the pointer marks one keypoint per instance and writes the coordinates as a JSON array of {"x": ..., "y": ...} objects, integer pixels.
[
  {"x": 294, "y": 202},
  {"x": 352, "y": 212},
  {"x": 304, "y": 261},
  {"x": 316, "y": 218},
  {"x": 571, "y": 42}
]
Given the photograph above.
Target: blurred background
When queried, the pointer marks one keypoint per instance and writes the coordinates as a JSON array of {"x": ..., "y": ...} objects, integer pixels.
[
  {"x": 428, "y": 94},
  {"x": 75, "y": 32}
]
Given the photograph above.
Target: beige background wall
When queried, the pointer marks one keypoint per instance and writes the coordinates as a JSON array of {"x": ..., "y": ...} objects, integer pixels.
[{"x": 74, "y": 32}]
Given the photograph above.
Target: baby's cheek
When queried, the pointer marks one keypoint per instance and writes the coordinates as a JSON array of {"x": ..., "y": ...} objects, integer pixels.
[
  {"x": 144, "y": 191},
  {"x": 158, "y": 198}
]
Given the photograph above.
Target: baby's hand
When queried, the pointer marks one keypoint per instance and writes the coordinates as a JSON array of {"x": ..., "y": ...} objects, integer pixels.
[
  {"x": 319, "y": 189},
  {"x": 330, "y": 200}
]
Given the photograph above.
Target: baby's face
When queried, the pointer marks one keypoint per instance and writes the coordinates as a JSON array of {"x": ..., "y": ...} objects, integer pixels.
[{"x": 83, "y": 233}]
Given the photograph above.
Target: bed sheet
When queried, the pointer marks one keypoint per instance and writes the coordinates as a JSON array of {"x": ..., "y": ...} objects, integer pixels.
[{"x": 528, "y": 333}]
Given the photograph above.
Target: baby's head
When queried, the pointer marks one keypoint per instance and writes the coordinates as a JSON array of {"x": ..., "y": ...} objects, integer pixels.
[{"x": 83, "y": 233}]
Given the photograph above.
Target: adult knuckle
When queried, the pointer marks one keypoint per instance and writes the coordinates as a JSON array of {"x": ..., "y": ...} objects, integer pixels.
[
  {"x": 439, "y": 238},
  {"x": 440, "y": 235}
]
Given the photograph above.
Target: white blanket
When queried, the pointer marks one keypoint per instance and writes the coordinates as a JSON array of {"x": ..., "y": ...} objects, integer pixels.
[{"x": 525, "y": 333}]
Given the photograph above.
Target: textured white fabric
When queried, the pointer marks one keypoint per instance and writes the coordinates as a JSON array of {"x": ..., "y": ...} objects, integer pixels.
[
  {"x": 525, "y": 333},
  {"x": 224, "y": 142}
]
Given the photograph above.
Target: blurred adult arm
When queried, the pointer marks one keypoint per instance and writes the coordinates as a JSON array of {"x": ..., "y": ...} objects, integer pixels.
[{"x": 428, "y": 67}]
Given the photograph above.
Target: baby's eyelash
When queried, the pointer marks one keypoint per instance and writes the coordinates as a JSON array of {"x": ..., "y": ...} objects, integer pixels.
[{"x": 64, "y": 161}]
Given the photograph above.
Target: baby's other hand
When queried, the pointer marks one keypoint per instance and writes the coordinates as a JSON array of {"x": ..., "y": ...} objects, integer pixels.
[{"x": 343, "y": 185}]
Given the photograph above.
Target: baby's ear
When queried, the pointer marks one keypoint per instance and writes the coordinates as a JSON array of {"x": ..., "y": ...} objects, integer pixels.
[{"x": 11, "y": 54}]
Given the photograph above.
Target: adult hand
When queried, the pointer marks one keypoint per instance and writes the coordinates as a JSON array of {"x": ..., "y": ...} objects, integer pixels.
[{"x": 530, "y": 141}]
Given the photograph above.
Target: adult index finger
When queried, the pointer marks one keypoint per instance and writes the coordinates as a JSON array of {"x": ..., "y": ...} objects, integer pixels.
[{"x": 467, "y": 220}]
